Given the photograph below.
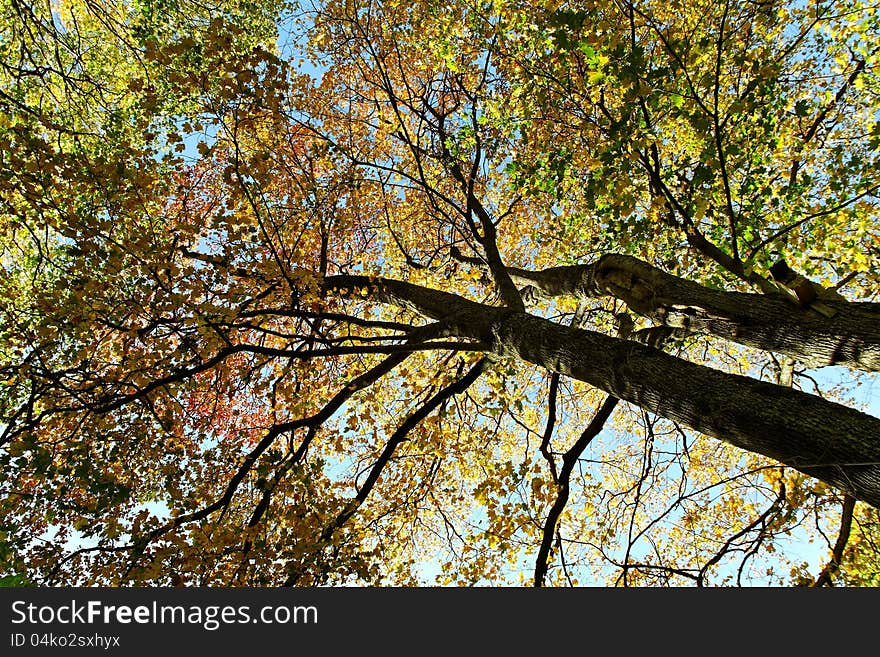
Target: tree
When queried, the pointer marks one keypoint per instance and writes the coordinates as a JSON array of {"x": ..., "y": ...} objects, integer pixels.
[{"x": 525, "y": 290}]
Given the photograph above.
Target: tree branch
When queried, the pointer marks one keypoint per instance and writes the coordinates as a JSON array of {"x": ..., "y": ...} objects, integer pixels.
[
  {"x": 826, "y": 577},
  {"x": 399, "y": 436},
  {"x": 569, "y": 460}
]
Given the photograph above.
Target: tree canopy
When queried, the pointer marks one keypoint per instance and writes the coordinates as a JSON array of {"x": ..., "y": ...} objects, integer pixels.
[{"x": 485, "y": 292}]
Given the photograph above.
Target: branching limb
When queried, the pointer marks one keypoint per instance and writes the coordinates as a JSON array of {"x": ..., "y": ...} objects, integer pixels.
[
  {"x": 826, "y": 577},
  {"x": 761, "y": 521},
  {"x": 545, "y": 450},
  {"x": 569, "y": 460},
  {"x": 399, "y": 436}
]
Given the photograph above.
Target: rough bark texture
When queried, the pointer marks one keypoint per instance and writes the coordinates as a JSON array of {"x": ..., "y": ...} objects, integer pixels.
[
  {"x": 823, "y": 439},
  {"x": 829, "y": 441},
  {"x": 851, "y": 336}
]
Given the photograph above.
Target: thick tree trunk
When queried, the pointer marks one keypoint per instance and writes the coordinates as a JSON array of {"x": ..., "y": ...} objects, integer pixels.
[
  {"x": 829, "y": 441},
  {"x": 823, "y": 439},
  {"x": 851, "y": 336}
]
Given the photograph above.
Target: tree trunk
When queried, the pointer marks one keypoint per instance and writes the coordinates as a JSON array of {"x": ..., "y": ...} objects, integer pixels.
[
  {"x": 823, "y": 439},
  {"x": 851, "y": 336},
  {"x": 829, "y": 441}
]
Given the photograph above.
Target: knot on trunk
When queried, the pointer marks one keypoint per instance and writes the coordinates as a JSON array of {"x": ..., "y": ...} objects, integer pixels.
[{"x": 616, "y": 276}]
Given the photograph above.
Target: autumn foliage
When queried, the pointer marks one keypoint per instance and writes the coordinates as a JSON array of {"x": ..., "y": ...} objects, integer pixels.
[{"x": 398, "y": 293}]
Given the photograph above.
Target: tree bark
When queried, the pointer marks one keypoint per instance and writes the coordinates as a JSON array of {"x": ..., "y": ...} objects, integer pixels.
[
  {"x": 823, "y": 439},
  {"x": 820, "y": 438},
  {"x": 850, "y": 337}
]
